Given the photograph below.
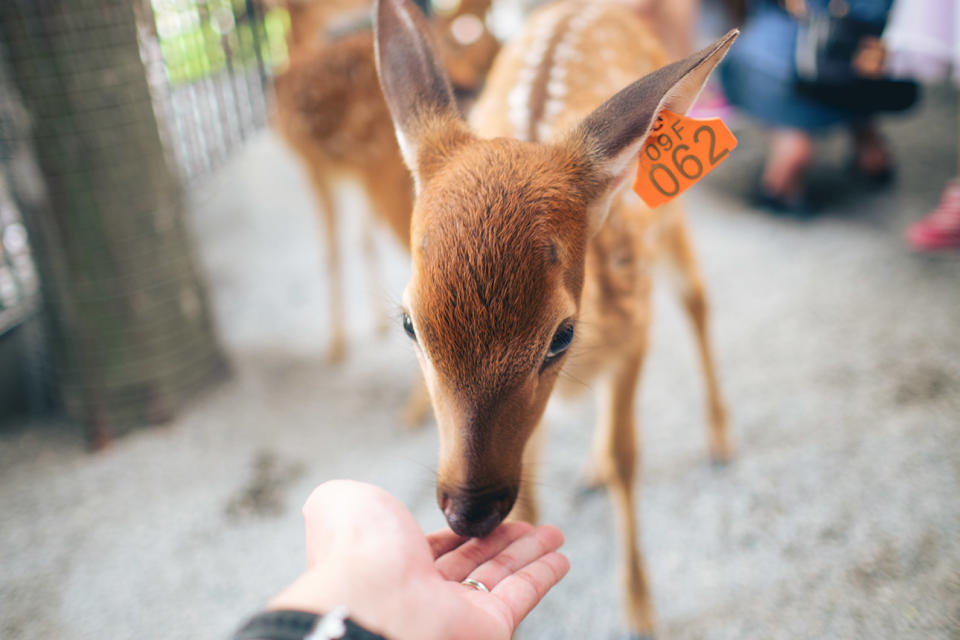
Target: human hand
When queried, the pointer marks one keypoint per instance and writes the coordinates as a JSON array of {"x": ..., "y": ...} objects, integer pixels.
[
  {"x": 796, "y": 8},
  {"x": 366, "y": 551}
]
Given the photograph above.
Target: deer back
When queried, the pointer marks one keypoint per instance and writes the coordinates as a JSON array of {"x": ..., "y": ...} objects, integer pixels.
[{"x": 569, "y": 59}]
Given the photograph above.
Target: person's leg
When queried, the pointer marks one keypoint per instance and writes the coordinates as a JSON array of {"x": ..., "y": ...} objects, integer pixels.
[
  {"x": 940, "y": 229},
  {"x": 758, "y": 78},
  {"x": 871, "y": 155},
  {"x": 790, "y": 155}
]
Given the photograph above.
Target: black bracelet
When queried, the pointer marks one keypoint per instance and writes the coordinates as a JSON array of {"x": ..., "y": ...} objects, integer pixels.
[{"x": 300, "y": 625}]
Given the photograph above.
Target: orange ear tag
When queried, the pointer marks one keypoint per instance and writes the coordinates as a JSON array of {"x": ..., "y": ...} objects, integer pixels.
[{"x": 678, "y": 152}]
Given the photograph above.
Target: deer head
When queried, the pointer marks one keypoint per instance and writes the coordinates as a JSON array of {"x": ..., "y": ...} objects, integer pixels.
[
  {"x": 464, "y": 43},
  {"x": 498, "y": 239}
]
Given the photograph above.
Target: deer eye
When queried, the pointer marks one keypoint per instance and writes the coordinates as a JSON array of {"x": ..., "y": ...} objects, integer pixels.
[
  {"x": 408, "y": 326},
  {"x": 561, "y": 340}
]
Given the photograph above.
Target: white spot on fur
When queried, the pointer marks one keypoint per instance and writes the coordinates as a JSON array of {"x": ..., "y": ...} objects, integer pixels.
[
  {"x": 566, "y": 54},
  {"x": 544, "y": 130},
  {"x": 556, "y": 88},
  {"x": 518, "y": 105},
  {"x": 554, "y": 108},
  {"x": 518, "y": 100}
]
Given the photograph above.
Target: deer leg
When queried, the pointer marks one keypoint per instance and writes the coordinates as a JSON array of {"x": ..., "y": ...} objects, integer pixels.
[
  {"x": 391, "y": 193},
  {"x": 375, "y": 277},
  {"x": 328, "y": 211},
  {"x": 616, "y": 456},
  {"x": 526, "y": 508},
  {"x": 693, "y": 295},
  {"x": 418, "y": 404},
  {"x": 391, "y": 199}
]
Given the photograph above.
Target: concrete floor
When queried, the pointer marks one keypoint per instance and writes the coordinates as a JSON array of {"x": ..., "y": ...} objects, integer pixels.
[{"x": 838, "y": 349}]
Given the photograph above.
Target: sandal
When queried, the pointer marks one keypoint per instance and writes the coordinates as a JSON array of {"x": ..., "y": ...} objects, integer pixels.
[
  {"x": 878, "y": 177},
  {"x": 940, "y": 229},
  {"x": 871, "y": 160},
  {"x": 797, "y": 206}
]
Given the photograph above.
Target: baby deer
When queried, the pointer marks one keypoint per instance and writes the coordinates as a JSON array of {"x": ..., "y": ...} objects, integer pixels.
[
  {"x": 530, "y": 253},
  {"x": 330, "y": 110}
]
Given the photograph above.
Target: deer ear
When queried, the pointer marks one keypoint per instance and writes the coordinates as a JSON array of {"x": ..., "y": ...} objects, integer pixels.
[
  {"x": 415, "y": 86},
  {"x": 614, "y": 133}
]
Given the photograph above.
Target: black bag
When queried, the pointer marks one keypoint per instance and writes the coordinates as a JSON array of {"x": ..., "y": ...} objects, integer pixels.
[{"x": 826, "y": 46}]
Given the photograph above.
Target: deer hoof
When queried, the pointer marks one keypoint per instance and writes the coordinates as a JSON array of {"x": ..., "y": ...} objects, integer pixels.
[
  {"x": 592, "y": 478},
  {"x": 720, "y": 462},
  {"x": 587, "y": 487},
  {"x": 720, "y": 455},
  {"x": 337, "y": 351}
]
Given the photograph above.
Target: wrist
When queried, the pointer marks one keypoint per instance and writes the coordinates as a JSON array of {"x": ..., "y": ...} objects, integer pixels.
[
  {"x": 314, "y": 593},
  {"x": 390, "y": 610}
]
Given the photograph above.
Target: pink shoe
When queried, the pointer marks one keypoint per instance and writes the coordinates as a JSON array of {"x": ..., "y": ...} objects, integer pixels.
[{"x": 941, "y": 228}]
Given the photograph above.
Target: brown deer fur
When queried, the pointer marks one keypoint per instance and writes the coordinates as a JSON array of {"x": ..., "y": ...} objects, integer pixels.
[
  {"x": 527, "y": 226},
  {"x": 330, "y": 110},
  {"x": 466, "y": 63}
]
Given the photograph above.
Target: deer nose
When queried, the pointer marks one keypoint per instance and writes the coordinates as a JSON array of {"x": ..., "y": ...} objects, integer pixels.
[{"x": 475, "y": 514}]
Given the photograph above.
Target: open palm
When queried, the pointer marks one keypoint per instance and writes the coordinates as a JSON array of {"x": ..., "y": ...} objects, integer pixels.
[{"x": 365, "y": 550}]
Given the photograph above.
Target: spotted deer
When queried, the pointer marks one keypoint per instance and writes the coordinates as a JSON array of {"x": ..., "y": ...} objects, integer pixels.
[
  {"x": 531, "y": 255},
  {"x": 330, "y": 110}
]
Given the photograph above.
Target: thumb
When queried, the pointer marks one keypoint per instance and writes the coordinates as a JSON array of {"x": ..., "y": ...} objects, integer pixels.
[{"x": 351, "y": 514}]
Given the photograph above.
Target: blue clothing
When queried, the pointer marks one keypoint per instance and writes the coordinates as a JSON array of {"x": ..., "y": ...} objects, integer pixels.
[{"x": 758, "y": 74}]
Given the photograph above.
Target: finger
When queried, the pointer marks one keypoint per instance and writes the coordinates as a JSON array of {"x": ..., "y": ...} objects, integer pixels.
[
  {"x": 524, "y": 589},
  {"x": 457, "y": 564},
  {"x": 444, "y": 541},
  {"x": 517, "y": 555}
]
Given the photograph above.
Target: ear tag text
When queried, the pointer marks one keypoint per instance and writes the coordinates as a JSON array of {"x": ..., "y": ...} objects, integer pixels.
[{"x": 679, "y": 152}]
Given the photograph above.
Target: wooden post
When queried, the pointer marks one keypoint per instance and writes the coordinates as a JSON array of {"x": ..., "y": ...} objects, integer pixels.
[{"x": 131, "y": 330}]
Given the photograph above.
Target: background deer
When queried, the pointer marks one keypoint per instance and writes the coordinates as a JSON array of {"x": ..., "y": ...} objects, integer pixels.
[
  {"x": 530, "y": 253},
  {"x": 330, "y": 110}
]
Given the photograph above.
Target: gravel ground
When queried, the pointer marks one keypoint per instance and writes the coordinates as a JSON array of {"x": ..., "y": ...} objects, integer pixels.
[{"x": 838, "y": 351}]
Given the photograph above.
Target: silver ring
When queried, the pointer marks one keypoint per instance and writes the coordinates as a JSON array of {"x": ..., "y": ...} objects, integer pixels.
[{"x": 476, "y": 584}]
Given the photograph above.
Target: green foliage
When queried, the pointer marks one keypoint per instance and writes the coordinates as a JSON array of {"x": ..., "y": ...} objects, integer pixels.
[{"x": 198, "y": 41}]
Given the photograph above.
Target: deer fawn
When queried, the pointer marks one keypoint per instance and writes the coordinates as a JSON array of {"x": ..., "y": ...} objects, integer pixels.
[
  {"x": 531, "y": 255},
  {"x": 330, "y": 110}
]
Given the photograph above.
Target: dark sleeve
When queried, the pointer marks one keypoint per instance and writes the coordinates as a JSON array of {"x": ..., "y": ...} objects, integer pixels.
[{"x": 294, "y": 625}]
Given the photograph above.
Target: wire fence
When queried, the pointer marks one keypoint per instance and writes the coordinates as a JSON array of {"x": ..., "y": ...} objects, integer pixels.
[
  {"x": 19, "y": 286},
  {"x": 19, "y": 289},
  {"x": 207, "y": 67}
]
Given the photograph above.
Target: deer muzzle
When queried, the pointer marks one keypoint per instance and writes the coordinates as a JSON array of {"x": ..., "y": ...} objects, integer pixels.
[{"x": 476, "y": 513}]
